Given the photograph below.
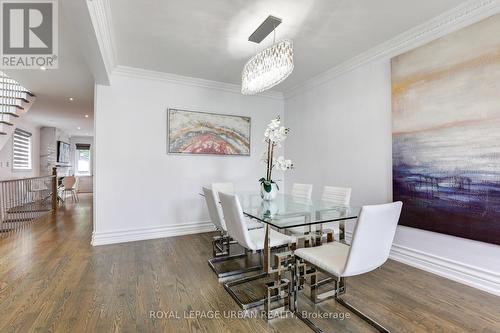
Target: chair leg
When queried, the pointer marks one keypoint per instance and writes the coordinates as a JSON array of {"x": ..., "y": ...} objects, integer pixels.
[
  {"x": 212, "y": 262},
  {"x": 353, "y": 309},
  {"x": 221, "y": 249},
  {"x": 218, "y": 245},
  {"x": 299, "y": 275}
]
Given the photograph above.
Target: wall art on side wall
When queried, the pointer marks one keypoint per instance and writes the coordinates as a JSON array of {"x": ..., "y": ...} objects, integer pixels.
[
  {"x": 446, "y": 133},
  {"x": 192, "y": 132}
]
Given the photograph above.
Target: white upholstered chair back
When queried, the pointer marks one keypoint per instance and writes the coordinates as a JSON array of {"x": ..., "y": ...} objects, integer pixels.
[
  {"x": 302, "y": 190},
  {"x": 222, "y": 187},
  {"x": 235, "y": 221},
  {"x": 337, "y": 195},
  {"x": 214, "y": 208},
  {"x": 372, "y": 238}
]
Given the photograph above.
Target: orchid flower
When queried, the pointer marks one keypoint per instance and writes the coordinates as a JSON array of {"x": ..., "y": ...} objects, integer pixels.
[{"x": 274, "y": 134}]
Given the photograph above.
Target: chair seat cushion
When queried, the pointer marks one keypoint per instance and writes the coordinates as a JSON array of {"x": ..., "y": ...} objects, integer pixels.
[
  {"x": 330, "y": 257},
  {"x": 276, "y": 238},
  {"x": 253, "y": 224}
]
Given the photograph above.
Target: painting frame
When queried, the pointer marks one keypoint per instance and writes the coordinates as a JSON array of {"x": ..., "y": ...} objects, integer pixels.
[{"x": 204, "y": 112}]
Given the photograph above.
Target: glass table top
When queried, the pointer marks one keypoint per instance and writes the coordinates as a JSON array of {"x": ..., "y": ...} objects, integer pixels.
[{"x": 287, "y": 211}]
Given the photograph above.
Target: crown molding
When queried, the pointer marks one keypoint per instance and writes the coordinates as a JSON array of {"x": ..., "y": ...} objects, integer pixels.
[
  {"x": 188, "y": 81},
  {"x": 466, "y": 14},
  {"x": 100, "y": 15}
]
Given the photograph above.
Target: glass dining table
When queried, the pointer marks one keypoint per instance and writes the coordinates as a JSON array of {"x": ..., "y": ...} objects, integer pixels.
[{"x": 286, "y": 211}]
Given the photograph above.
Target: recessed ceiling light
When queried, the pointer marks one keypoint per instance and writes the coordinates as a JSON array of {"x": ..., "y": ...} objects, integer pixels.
[
  {"x": 43, "y": 68},
  {"x": 86, "y": 116},
  {"x": 78, "y": 128},
  {"x": 71, "y": 98}
]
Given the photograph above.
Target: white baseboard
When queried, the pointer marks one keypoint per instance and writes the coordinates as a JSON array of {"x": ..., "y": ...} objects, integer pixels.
[
  {"x": 469, "y": 275},
  {"x": 132, "y": 235}
]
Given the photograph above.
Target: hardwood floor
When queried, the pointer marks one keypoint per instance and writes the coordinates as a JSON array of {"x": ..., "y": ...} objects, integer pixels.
[{"x": 52, "y": 280}]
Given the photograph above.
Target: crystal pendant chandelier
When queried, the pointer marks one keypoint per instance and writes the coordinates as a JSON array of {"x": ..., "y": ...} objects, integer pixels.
[
  {"x": 270, "y": 66},
  {"x": 267, "y": 68}
]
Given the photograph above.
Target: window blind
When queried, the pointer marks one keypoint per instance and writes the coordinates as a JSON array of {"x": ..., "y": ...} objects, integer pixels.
[
  {"x": 21, "y": 159},
  {"x": 82, "y": 146}
]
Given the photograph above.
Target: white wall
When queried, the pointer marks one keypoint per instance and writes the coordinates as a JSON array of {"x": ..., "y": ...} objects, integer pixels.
[
  {"x": 48, "y": 151},
  {"x": 344, "y": 138},
  {"x": 6, "y": 171},
  {"x": 141, "y": 191}
]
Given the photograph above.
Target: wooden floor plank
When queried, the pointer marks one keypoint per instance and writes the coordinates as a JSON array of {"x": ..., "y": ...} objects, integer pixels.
[{"x": 53, "y": 280}]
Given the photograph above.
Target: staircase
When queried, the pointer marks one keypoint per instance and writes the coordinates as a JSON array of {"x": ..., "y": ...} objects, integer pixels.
[
  {"x": 21, "y": 200},
  {"x": 15, "y": 100}
]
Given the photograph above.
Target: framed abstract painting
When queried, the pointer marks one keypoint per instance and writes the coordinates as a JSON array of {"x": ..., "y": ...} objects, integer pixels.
[
  {"x": 203, "y": 133},
  {"x": 446, "y": 133}
]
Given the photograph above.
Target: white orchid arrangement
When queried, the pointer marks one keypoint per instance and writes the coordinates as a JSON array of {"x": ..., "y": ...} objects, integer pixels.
[{"x": 273, "y": 136}]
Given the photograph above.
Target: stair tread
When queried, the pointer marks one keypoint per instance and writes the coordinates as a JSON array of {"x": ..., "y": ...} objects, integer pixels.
[
  {"x": 13, "y": 105},
  {"x": 10, "y": 114},
  {"x": 20, "y": 91},
  {"x": 13, "y": 97}
]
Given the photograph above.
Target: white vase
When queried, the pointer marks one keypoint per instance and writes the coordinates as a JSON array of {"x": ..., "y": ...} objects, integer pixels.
[
  {"x": 269, "y": 208},
  {"x": 268, "y": 196}
]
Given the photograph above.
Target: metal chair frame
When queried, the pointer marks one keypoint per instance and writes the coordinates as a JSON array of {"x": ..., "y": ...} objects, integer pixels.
[{"x": 299, "y": 276}]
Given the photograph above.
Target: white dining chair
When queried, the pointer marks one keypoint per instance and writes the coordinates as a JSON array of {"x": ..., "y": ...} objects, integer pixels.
[
  {"x": 214, "y": 210},
  {"x": 371, "y": 244},
  {"x": 221, "y": 244},
  {"x": 339, "y": 196},
  {"x": 69, "y": 184},
  {"x": 252, "y": 240},
  {"x": 301, "y": 193},
  {"x": 236, "y": 226},
  {"x": 229, "y": 188}
]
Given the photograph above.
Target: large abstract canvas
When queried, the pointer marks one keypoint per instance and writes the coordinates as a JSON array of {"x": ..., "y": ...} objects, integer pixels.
[
  {"x": 191, "y": 132},
  {"x": 446, "y": 133}
]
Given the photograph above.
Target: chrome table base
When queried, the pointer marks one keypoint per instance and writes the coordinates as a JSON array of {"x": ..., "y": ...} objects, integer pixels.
[{"x": 275, "y": 290}]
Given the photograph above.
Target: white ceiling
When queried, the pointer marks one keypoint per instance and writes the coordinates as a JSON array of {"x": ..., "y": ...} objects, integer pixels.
[
  {"x": 54, "y": 87},
  {"x": 208, "y": 39}
]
